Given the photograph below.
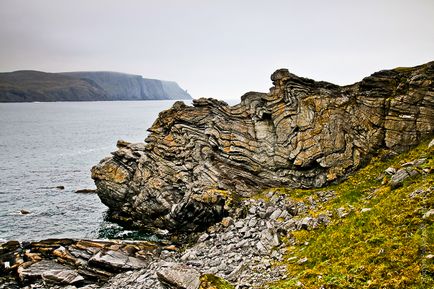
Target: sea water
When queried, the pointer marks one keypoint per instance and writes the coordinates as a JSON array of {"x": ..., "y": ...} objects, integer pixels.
[{"x": 47, "y": 145}]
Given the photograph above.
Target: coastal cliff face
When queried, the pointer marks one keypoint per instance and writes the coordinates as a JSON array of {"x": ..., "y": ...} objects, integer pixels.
[
  {"x": 26, "y": 86},
  {"x": 122, "y": 86},
  {"x": 302, "y": 134}
]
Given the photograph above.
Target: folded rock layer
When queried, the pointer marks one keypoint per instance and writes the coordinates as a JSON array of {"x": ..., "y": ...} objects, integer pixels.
[{"x": 302, "y": 134}]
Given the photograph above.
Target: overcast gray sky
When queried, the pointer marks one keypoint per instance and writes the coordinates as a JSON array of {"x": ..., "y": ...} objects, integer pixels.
[{"x": 217, "y": 48}]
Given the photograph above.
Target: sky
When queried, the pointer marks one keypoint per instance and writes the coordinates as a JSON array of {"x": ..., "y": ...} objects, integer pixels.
[{"x": 219, "y": 48}]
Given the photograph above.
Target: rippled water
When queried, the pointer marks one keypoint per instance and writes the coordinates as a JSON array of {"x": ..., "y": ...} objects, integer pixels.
[{"x": 45, "y": 145}]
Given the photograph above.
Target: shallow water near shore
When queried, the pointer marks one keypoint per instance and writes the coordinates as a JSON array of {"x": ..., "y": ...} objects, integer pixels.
[{"x": 46, "y": 145}]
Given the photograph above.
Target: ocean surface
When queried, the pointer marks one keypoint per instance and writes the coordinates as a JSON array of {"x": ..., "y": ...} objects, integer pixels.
[{"x": 46, "y": 145}]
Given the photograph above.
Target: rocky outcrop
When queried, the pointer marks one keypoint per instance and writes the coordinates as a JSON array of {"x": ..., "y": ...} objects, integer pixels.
[
  {"x": 25, "y": 86},
  {"x": 71, "y": 262},
  {"x": 302, "y": 134}
]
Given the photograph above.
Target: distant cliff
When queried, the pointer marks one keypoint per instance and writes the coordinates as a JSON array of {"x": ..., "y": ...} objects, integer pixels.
[
  {"x": 121, "y": 86},
  {"x": 27, "y": 85}
]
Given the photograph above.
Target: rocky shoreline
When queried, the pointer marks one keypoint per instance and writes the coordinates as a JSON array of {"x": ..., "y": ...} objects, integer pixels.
[
  {"x": 249, "y": 248},
  {"x": 244, "y": 249}
]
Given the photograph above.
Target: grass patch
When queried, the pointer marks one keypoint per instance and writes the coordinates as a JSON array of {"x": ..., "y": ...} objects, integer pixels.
[
  {"x": 386, "y": 245},
  {"x": 209, "y": 281}
]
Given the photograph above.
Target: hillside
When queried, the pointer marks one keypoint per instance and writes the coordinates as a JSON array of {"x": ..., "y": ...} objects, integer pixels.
[
  {"x": 26, "y": 86},
  {"x": 380, "y": 232}
]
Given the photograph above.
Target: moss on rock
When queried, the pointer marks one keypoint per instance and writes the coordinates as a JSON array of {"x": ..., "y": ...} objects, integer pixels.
[{"x": 209, "y": 281}]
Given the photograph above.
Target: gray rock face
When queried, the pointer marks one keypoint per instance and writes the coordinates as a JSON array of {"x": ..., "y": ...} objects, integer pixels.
[
  {"x": 302, "y": 134},
  {"x": 22, "y": 86}
]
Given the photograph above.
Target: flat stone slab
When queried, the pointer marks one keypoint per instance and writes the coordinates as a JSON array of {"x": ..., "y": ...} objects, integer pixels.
[
  {"x": 62, "y": 276},
  {"x": 50, "y": 271},
  {"x": 116, "y": 260}
]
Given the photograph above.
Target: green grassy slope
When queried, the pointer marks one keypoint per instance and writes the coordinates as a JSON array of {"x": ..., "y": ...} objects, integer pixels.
[{"x": 386, "y": 240}]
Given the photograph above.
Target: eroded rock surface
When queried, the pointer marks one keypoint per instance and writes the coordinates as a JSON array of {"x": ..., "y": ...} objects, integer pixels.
[
  {"x": 302, "y": 134},
  {"x": 66, "y": 262}
]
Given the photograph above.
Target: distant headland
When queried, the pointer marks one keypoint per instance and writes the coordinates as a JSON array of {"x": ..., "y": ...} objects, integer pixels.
[{"x": 30, "y": 85}]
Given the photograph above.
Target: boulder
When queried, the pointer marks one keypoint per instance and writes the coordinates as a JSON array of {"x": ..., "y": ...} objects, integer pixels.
[
  {"x": 36, "y": 270},
  {"x": 177, "y": 276},
  {"x": 116, "y": 260},
  {"x": 62, "y": 276},
  {"x": 398, "y": 178}
]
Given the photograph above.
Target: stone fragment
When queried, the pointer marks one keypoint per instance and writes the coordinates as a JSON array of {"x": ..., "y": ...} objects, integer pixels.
[
  {"x": 276, "y": 214},
  {"x": 203, "y": 238},
  {"x": 420, "y": 162},
  {"x": 177, "y": 276},
  {"x": 269, "y": 238},
  {"x": 301, "y": 261},
  {"x": 305, "y": 223},
  {"x": 390, "y": 171},
  {"x": 62, "y": 276},
  {"x": 420, "y": 193},
  {"x": 239, "y": 224},
  {"x": 85, "y": 191},
  {"x": 342, "y": 213},
  {"x": 227, "y": 221},
  {"x": 63, "y": 254},
  {"x": 253, "y": 210},
  {"x": 36, "y": 270},
  {"x": 284, "y": 214},
  {"x": 253, "y": 222},
  {"x": 261, "y": 248},
  {"x": 401, "y": 175},
  {"x": 428, "y": 214},
  {"x": 33, "y": 257},
  {"x": 115, "y": 260},
  {"x": 9, "y": 246}
]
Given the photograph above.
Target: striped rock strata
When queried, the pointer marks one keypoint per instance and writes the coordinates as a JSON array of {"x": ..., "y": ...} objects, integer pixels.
[{"x": 302, "y": 133}]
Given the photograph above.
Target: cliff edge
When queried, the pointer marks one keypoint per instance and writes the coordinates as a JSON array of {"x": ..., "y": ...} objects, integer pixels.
[
  {"x": 122, "y": 86},
  {"x": 29, "y": 85},
  {"x": 302, "y": 134}
]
